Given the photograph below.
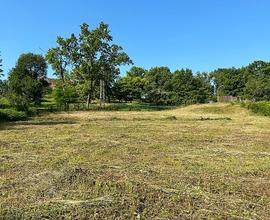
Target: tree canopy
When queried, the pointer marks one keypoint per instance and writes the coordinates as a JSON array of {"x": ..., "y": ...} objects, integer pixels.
[
  {"x": 28, "y": 79},
  {"x": 87, "y": 68},
  {"x": 1, "y": 71},
  {"x": 91, "y": 60}
]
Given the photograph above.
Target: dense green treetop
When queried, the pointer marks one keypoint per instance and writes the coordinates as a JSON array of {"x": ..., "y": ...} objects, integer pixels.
[
  {"x": 28, "y": 79},
  {"x": 1, "y": 71}
]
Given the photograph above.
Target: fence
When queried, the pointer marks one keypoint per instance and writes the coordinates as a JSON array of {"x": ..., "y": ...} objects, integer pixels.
[{"x": 227, "y": 98}]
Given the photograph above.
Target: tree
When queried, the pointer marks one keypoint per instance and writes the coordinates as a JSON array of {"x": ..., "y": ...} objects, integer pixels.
[
  {"x": 88, "y": 69},
  {"x": 27, "y": 80},
  {"x": 62, "y": 59},
  {"x": 257, "y": 87},
  {"x": 65, "y": 96},
  {"x": 96, "y": 60},
  {"x": 158, "y": 85},
  {"x": 129, "y": 88},
  {"x": 229, "y": 81},
  {"x": 205, "y": 91},
  {"x": 1, "y": 71},
  {"x": 91, "y": 60},
  {"x": 136, "y": 72},
  {"x": 112, "y": 56},
  {"x": 4, "y": 88},
  {"x": 3, "y": 83}
]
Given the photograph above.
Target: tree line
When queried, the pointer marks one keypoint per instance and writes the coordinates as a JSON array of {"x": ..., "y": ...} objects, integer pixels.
[{"x": 86, "y": 67}]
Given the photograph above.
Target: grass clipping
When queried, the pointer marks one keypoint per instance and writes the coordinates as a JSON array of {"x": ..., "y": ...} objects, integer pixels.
[{"x": 197, "y": 162}]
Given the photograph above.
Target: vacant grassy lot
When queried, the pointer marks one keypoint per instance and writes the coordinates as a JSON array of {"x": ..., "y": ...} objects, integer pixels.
[{"x": 203, "y": 161}]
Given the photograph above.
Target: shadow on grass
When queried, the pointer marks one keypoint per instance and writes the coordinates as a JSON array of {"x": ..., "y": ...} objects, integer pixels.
[
  {"x": 12, "y": 125},
  {"x": 130, "y": 107},
  {"x": 47, "y": 122}
]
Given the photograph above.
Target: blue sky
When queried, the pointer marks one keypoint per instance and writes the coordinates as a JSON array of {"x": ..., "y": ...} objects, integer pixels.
[{"x": 198, "y": 34}]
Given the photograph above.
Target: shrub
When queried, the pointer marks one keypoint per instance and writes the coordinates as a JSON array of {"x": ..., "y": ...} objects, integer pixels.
[
  {"x": 65, "y": 96},
  {"x": 18, "y": 102},
  {"x": 4, "y": 102},
  {"x": 262, "y": 108},
  {"x": 11, "y": 115}
]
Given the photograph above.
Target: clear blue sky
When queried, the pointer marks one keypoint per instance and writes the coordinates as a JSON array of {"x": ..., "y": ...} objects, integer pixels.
[{"x": 197, "y": 34}]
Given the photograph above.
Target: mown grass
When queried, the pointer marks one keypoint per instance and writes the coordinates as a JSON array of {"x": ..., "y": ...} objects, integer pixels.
[{"x": 197, "y": 162}]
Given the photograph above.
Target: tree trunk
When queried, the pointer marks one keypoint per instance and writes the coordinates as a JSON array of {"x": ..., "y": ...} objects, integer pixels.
[
  {"x": 102, "y": 94},
  {"x": 90, "y": 94},
  {"x": 88, "y": 99}
]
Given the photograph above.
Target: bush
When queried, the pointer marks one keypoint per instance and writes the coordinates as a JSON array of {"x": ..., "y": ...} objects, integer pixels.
[
  {"x": 65, "y": 96},
  {"x": 18, "y": 102},
  {"x": 11, "y": 115},
  {"x": 4, "y": 103},
  {"x": 262, "y": 108}
]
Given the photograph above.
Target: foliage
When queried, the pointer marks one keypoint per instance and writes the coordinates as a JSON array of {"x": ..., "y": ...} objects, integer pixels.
[
  {"x": 262, "y": 108},
  {"x": 65, "y": 95},
  {"x": 258, "y": 84},
  {"x": 27, "y": 80},
  {"x": 161, "y": 87},
  {"x": 4, "y": 102},
  {"x": 87, "y": 67},
  {"x": 61, "y": 56},
  {"x": 1, "y": 71},
  {"x": 4, "y": 88},
  {"x": 136, "y": 72},
  {"x": 12, "y": 115},
  {"x": 157, "y": 88},
  {"x": 251, "y": 82},
  {"x": 190, "y": 89},
  {"x": 129, "y": 88},
  {"x": 19, "y": 102},
  {"x": 230, "y": 81},
  {"x": 89, "y": 59}
]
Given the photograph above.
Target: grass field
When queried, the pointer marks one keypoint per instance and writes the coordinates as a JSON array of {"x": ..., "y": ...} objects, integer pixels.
[{"x": 201, "y": 161}]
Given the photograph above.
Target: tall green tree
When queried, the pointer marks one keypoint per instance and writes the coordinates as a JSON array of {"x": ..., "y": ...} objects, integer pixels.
[
  {"x": 129, "y": 88},
  {"x": 27, "y": 80},
  {"x": 206, "y": 88},
  {"x": 1, "y": 65},
  {"x": 188, "y": 88},
  {"x": 90, "y": 44},
  {"x": 97, "y": 60},
  {"x": 4, "y": 88},
  {"x": 229, "y": 81},
  {"x": 158, "y": 85},
  {"x": 257, "y": 87},
  {"x": 136, "y": 72},
  {"x": 62, "y": 57},
  {"x": 3, "y": 84},
  {"x": 111, "y": 57},
  {"x": 91, "y": 60}
]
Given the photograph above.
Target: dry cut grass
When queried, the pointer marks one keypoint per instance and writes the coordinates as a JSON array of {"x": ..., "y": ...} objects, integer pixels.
[{"x": 197, "y": 162}]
